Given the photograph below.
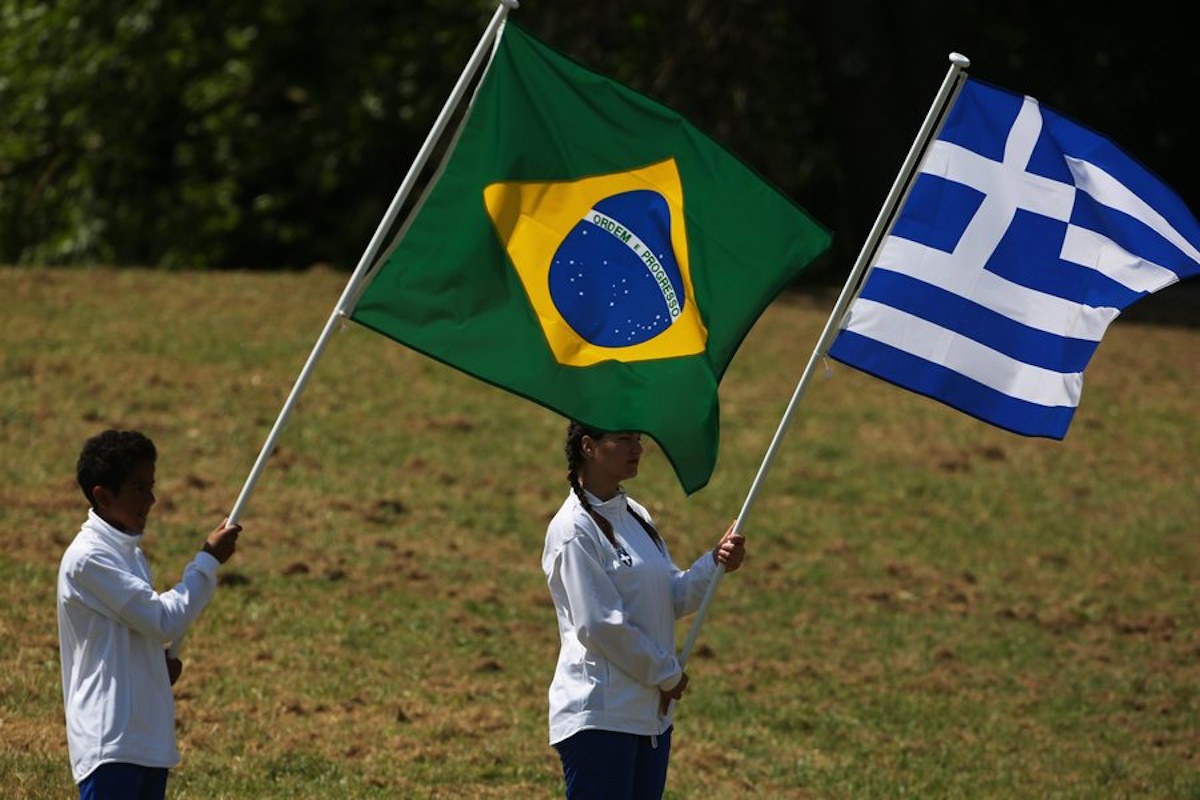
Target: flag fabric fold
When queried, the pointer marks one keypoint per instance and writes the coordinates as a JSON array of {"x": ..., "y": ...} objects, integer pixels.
[
  {"x": 587, "y": 248},
  {"x": 1023, "y": 236}
]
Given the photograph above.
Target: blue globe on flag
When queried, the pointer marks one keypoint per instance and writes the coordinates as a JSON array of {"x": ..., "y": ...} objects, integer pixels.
[{"x": 615, "y": 278}]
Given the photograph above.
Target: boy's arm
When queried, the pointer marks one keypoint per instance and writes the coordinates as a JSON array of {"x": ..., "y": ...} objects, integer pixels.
[
  {"x": 165, "y": 616},
  {"x": 130, "y": 599}
]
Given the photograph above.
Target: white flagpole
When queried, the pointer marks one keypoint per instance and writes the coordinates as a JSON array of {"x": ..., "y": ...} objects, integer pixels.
[
  {"x": 357, "y": 279},
  {"x": 883, "y": 223}
]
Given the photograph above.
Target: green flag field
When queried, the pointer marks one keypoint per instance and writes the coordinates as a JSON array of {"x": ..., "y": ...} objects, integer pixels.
[
  {"x": 561, "y": 172},
  {"x": 930, "y": 607}
]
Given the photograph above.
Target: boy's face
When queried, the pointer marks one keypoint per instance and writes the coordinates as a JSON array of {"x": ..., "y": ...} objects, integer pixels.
[{"x": 128, "y": 507}]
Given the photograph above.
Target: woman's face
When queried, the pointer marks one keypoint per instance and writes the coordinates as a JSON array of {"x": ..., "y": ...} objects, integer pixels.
[{"x": 613, "y": 456}]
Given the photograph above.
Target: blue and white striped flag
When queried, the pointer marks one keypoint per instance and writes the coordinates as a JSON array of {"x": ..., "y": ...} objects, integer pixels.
[{"x": 1022, "y": 238}]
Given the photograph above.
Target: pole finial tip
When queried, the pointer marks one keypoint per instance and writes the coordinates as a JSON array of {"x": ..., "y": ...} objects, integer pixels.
[{"x": 960, "y": 60}]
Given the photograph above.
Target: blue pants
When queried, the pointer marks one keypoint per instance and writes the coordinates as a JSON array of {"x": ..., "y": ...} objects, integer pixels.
[
  {"x": 124, "y": 782},
  {"x": 602, "y": 765}
]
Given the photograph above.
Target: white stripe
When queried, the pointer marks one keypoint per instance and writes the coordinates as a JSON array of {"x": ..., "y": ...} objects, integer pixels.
[
  {"x": 960, "y": 354},
  {"x": 1030, "y": 307},
  {"x": 1014, "y": 186},
  {"x": 1006, "y": 186},
  {"x": 644, "y": 254},
  {"x": 1107, "y": 190},
  {"x": 1089, "y": 249}
]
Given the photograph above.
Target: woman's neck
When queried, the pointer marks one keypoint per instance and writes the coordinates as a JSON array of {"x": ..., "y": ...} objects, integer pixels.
[{"x": 603, "y": 490}]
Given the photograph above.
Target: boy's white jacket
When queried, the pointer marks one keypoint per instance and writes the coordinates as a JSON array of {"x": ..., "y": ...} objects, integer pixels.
[
  {"x": 112, "y": 627},
  {"x": 616, "y": 611}
]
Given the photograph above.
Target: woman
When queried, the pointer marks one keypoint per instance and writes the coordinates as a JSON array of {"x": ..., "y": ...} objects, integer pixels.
[{"x": 617, "y": 595}]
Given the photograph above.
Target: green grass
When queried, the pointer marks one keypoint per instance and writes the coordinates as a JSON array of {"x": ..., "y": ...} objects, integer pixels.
[{"x": 931, "y": 607}]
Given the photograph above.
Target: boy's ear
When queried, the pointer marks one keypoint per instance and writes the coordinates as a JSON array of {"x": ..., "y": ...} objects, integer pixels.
[{"x": 102, "y": 496}]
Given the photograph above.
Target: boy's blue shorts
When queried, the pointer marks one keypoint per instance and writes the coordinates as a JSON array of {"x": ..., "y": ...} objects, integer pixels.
[{"x": 119, "y": 781}]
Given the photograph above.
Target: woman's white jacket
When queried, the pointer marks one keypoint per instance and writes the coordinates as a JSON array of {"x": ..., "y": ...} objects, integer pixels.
[{"x": 616, "y": 609}]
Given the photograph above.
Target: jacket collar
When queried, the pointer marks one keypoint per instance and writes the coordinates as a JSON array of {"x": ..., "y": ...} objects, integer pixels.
[
  {"x": 96, "y": 524},
  {"x": 612, "y": 504}
]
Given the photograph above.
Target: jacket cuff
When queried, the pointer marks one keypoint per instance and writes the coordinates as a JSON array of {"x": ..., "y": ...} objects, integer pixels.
[
  {"x": 207, "y": 563},
  {"x": 673, "y": 681}
]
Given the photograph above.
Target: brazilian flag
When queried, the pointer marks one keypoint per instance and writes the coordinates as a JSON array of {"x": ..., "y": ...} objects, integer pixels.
[{"x": 588, "y": 249}]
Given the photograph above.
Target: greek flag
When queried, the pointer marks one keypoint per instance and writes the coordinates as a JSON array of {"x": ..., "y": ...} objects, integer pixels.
[{"x": 1022, "y": 238}]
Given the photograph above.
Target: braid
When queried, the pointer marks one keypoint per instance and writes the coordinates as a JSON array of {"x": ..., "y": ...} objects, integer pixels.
[
  {"x": 604, "y": 525},
  {"x": 647, "y": 527},
  {"x": 575, "y": 434}
]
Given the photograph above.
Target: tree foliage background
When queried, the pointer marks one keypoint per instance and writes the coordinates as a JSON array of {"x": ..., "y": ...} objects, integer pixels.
[{"x": 273, "y": 134}]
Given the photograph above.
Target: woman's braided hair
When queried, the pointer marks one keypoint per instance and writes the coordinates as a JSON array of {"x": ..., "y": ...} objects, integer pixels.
[{"x": 574, "y": 450}]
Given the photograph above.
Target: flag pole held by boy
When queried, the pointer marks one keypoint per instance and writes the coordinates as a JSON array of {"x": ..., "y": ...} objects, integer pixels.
[{"x": 113, "y": 626}]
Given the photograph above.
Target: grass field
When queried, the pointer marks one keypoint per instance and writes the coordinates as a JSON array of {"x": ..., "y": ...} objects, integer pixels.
[{"x": 931, "y": 608}]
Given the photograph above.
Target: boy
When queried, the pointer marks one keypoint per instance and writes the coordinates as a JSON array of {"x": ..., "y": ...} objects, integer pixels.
[{"x": 112, "y": 626}]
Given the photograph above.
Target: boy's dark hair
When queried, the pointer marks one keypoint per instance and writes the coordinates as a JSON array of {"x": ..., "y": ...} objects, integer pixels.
[{"x": 108, "y": 459}]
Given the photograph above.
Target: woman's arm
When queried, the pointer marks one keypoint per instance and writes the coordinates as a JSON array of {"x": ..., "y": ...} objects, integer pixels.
[{"x": 597, "y": 613}]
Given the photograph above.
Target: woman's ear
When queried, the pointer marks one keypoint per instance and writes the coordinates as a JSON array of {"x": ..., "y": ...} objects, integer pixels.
[{"x": 587, "y": 446}]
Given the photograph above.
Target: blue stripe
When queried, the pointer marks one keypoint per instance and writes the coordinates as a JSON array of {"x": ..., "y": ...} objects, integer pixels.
[
  {"x": 952, "y": 388},
  {"x": 1005, "y": 335},
  {"x": 1028, "y": 255},
  {"x": 1074, "y": 140},
  {"x": 1132, "y": 234}
]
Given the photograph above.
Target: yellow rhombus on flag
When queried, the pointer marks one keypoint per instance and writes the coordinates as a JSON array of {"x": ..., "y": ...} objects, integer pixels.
[{"x": 588, "y": 249}]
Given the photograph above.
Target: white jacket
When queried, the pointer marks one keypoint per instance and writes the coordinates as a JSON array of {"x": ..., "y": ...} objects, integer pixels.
[
  {"x": 616, "y": 611},
  {"x": 111, "y": 630}
]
